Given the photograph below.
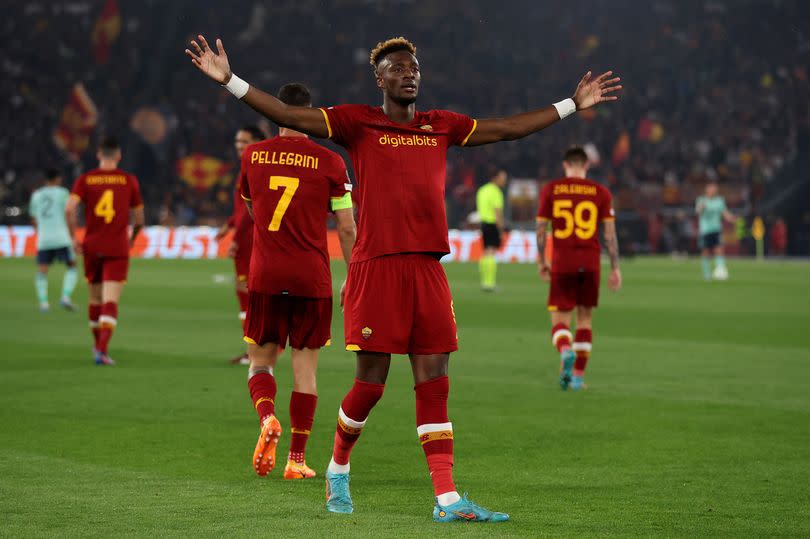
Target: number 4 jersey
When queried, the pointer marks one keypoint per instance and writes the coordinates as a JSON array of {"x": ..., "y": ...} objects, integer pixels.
[
  {"x": 108, "y": 195},
  {"x": 575, "y": 207},
  {"x": 292, "y": 184}
]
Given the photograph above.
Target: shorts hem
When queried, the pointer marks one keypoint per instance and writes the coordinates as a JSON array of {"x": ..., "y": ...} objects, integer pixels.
[{"x": 402, "y": 351}]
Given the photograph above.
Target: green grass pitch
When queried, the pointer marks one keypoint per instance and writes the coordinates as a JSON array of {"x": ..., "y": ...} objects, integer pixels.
[{"x": 696, "y": 423}]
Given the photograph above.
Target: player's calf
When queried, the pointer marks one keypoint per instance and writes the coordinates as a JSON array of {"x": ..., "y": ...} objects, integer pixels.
[
  {"x": 302, "y": 415},
  {"x": 561, "y": 339},
  {"x": 582, "y": 348},
  {"x": 352, "y": 417},
  {"x": 262, "y": 387}
]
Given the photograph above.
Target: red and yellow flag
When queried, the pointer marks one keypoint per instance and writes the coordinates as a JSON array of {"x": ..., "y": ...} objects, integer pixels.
[
  {"x": 105, "y": 31},
  {"x": 621, "y": 150},
  {"x": 202, "y": 171},
  {"x": 76, "y": 123}
]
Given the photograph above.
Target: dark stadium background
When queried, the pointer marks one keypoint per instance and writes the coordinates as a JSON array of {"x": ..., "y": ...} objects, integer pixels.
[{"x": 713, "y": 90}]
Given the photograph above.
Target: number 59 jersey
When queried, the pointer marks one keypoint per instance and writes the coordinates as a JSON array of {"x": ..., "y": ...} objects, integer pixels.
[
  {"x": 108, "y": 195},
  {"x": 292, "y": 184},
  {"x": 575, "y": 207}
]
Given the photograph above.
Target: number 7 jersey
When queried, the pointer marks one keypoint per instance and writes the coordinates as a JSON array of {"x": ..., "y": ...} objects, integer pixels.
[
  {"x": 108, "y": 195},
  {"x": 292, "y": 184},
  {"x": 575, "y": 207}
]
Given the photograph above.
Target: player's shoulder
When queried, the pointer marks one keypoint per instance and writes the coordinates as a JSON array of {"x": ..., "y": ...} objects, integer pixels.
[
  {"x": 600, "y": 187},
  {"x": 352, "y": 109},
  {"x": 440, "y": 115},
  {"x": 321, "y": 150}
]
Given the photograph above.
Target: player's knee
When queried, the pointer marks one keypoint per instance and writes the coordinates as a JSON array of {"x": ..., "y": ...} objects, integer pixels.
[{"x": 372, "y": 367}]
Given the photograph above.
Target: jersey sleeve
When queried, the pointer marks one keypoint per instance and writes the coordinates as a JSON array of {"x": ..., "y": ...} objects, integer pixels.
[
  {"x": 340, "y": 186},
  {"x": 544, "y": 210},
  {"x": 79, "y": 189},
  {"x": 498, "y": 201},
  {"x": 135, "y": 201},
  {"x": 340, "y": 120},
  {"x": 606, "y": 212},
  {"x": 33, "y": 205},
  {"x": 461, "y": 127}
]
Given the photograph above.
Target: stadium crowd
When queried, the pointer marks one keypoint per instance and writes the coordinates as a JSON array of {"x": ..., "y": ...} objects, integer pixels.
[{"x": 720, "y": 99}]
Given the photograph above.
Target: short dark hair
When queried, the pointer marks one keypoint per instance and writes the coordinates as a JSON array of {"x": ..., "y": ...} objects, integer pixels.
[
  {"x": 109, "y": 146},
  {"x": 256, "y": 133},
  {"x": 295, "y": 94},
  {"x": 51, "y": 174},
  {"x": 384, "y": 48},
  {"x": 575, "y": 155}
]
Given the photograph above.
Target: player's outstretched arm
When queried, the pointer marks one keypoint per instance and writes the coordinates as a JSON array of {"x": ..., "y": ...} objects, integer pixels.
[
  {"x": 70, "y": 218},
  {"x": 612, "y": 243},
  {"x": 215, "y": 65},
  {"x": 589, "y": 93}
]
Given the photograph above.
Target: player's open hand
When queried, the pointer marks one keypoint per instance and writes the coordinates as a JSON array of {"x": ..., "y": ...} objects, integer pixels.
[
  {"x": 213, "y": 64},
  {"x": 591, "y": 92},
  {"x": 77, "y": 246},
  {"x": 545, "y": 272},
  {"x": 342, "y": 294},
  {"x": 615, "y": 280},
  {"x": 232, "y": 248}
]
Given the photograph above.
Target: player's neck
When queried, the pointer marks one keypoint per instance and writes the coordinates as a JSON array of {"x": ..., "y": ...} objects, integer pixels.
[
  {"x": 107, "y": 165},
  {"x": 286, "y": 132},
  {"x": 399, "y": 113}
]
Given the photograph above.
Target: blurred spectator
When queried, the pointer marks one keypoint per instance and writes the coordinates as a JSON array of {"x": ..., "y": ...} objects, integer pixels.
[{"x": 778, "y": 238}]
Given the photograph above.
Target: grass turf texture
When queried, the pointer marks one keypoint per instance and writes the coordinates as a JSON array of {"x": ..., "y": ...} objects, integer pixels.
[{"x": 695, "y": 424}]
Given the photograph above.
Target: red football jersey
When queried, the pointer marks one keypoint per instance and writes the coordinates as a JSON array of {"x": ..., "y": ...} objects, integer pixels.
[
  {"x": 108, "y": 195},
  {"x": 400, "y": 175},
  {"x": 241, "y": 222},
  {"x": 575, "y": 208},
  {"x": 290, "y": 182}
]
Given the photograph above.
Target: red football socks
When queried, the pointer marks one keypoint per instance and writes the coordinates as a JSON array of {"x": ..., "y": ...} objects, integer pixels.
[
  {"x": 93, "y": 312},
  {"x": 561, "y": 337},
  {"x": 354, "y": 410},
  {"x": 243, "y": 305},
  {"x": 582, "y": 346},
  {"x": 436, "y": 432},
  {"x": 107, "y": 321},
  {"x": 262, "y": 388},
  {"x": 302, "y": 414}
]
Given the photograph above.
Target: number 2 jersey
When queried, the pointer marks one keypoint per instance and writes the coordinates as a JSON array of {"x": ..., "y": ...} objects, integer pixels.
[
  {"x": 292, "y": 184},
  {"x": 575, "y": 207},
  {"x": 108, "y": 196}
]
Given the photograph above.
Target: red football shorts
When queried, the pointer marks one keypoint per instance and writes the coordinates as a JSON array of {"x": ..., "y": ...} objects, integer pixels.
[
  {"x": 399, "y": 304},
  {"x": 568, "y": 290},
  {"x": 275, "y": 318},
  {"x": 98, "y": 268},
  {"x": 242, "y": 266}
]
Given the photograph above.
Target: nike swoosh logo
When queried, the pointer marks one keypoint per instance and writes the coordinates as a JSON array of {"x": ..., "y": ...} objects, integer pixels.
[{"x": 468, "y": 516}]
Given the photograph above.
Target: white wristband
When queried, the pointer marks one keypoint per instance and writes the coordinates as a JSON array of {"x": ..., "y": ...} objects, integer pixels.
[
  {"x": 566, "y": 107},
  {"x": 237, "y": 86}
]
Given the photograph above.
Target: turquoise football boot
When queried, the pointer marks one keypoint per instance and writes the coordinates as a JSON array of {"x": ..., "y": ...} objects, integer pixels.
[
  {"x": 338, "y": 498},
  {"x": 567, "y": 359},
  {"x": 578, "y": 383},
  {"x": 466, "y": 511}
]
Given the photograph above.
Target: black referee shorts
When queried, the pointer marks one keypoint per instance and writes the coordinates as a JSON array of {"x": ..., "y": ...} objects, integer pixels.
[{"x": 491, "y": 235}]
